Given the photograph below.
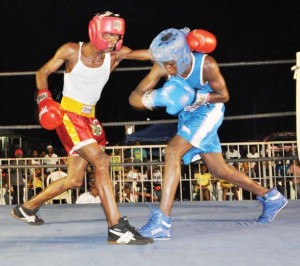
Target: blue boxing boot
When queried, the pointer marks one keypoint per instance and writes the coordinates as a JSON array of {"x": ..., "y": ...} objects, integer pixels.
[
  {"x": 158, "y": 226},
  {"x": 273, "y": 202}
]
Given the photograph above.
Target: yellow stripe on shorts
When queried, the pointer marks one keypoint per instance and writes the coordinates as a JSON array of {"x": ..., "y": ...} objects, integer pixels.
[{"x": 73, "y": 106}]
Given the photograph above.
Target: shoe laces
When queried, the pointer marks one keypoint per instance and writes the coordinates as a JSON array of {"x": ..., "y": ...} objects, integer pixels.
[
  {"x": 31, "y": 212},
  {"x": 130, "y": 227},
  {"x": 154, "y": 210},
  {"x": 264, "y": 201},
  {"x": 267, "y": 204},
  {"x": 152, "y": 217}
]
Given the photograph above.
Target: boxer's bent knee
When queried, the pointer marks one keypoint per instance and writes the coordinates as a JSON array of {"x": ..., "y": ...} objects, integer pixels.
[
  {"x": 102, "y": 161},
  {"x": 74, "y": 183},
  {"x": 171, "y": 152}
]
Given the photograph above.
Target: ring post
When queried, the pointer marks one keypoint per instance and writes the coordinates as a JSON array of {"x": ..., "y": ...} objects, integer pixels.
[{"x": 297, "y": 77}]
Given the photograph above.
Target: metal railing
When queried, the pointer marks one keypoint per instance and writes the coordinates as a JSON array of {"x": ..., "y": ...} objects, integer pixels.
[{"x": 145, "y": 181}]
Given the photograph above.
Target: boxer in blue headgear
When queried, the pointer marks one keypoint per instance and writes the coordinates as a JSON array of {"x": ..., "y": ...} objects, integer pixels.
[
  {"x": 171, "y": 44},
  {"x": 200, "y": 114}
]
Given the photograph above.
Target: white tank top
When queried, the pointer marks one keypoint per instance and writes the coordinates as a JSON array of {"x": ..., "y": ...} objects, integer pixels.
[{"x": 85, "y": 84}]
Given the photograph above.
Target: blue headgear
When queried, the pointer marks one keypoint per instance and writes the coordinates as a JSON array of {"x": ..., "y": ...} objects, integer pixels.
[{"x": 171, "y": 45}]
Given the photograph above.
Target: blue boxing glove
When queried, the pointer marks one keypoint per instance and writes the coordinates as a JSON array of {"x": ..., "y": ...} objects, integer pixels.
[{"x": 174, "y": 95}]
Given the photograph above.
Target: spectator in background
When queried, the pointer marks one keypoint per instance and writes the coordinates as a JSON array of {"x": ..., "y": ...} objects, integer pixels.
[
  {"x": 203, "y": 184},
  {"x": 55, "y": 175},
  {"x": 294, "y": 171},
  {"x": 246, "y": 169},
  {"x": 90, "y": 196},
  {"x": 117, "y": 156},
  {"x": 134, "y": 173},
  {"x": 35, "y": 155},
  {"x": 34, "y": 161},
  {"x": 144, "y": 173},
  {"x": 135, "y": 155},
  {"x": 35, "y": 183},
  {"x": 16, "y": 181},
  {"x": 118, "y": 151},
  {"x": 43, "y": 154},
  {"x": 155, "y": 174},
  {"x": 243, "y": 150},
  {"x": 138, "y": 154},
  {"x": 253, "y": 165},
  {"x": 5, "y": 184},
  {"x": 232, "y": 153},
  {"x": 228, "y": 187},
  {"x": 50, "y": 158}
]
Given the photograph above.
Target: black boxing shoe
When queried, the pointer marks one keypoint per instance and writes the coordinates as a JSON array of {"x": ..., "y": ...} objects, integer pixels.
[
  {"x": 26, "y": 215},
  {"x": 125, "y": 234}
]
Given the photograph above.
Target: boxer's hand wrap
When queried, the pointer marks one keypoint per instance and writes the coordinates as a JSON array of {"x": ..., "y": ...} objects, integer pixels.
[
  {"x": 201, "y": 98},
  {"x": 42, "y": 95},
  {"x": 146, "y": 99}
]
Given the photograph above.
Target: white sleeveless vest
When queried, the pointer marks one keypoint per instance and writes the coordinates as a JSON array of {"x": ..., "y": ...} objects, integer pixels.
[{"x": 84, "y": 84}]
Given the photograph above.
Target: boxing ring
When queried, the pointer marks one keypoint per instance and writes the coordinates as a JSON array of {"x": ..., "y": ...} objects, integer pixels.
[{"x": 204, "y": 233}]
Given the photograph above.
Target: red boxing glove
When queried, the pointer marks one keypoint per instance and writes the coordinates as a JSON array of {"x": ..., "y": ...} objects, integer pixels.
[
  {"x": 201, "y": 41},
  {"x": 50, "y": 113}
]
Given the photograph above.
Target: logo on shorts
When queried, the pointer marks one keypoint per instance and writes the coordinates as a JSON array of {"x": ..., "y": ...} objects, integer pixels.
[
  {"x": 96, "y": 128},
  {"x": 186, "y": 130},
  {"x": 86, "y": 109}
]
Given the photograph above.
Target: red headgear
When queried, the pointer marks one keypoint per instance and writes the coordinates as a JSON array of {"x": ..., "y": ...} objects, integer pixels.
[{"x": 106, "y": 23}]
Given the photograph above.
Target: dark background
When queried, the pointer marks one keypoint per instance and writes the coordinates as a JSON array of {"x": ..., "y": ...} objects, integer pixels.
[{"x": 31, "y": 31}]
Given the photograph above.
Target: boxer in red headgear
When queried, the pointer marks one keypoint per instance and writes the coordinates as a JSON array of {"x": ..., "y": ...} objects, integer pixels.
[
  {"x": 87, "y": 69},
  {"x": 106, "y": 23}
]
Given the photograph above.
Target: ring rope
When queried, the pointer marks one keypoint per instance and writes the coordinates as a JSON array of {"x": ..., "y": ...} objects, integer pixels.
[
  {"x": 123, "y": 69},
  {"x": 167, "y": 121},
  {"x": 237, "y": 117}
]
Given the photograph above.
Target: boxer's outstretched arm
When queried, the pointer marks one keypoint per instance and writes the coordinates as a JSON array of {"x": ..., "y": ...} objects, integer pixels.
[
  {"x": 141, "y": 54},
  {"x": 126, "y": 53}
]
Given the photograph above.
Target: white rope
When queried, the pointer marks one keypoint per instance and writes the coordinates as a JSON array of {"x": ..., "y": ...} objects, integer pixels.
[
  {"x": 124, "y": 69},
  {"x": 237, "y": 117},
  {"x": 167, "y": 121}
]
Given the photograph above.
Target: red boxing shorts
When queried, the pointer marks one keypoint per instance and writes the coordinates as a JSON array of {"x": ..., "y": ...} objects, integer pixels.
[{"x": 77, "y": 131}]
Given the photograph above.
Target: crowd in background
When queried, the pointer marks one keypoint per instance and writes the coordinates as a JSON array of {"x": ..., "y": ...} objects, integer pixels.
[{"x": 141, "y": 182}]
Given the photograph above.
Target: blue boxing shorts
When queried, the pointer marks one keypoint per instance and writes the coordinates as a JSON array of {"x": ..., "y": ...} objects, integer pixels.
[{"x": 199, "y": 126}]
